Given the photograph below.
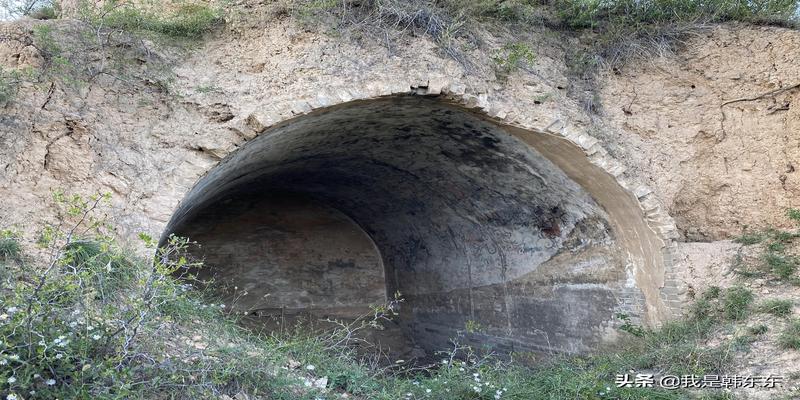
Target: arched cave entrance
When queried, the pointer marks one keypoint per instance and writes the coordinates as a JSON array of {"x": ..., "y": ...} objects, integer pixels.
[{"x": 333, "y": 210}]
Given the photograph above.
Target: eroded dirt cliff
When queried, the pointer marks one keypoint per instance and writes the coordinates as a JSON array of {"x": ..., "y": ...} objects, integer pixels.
[{"x": 714, "y": 128}]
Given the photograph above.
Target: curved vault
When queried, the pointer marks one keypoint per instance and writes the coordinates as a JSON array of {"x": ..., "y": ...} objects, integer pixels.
[{"x": 466, "y": 218}]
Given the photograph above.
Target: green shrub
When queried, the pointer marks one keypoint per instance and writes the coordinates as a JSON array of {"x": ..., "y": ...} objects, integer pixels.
[
  {"x": 45, "y": 12},
  {"x": 777, "y": 307},
  {"x": 630, "y": 327},
  {"x": 749, "y": 238},
  {"x": 758, "y": 329},
  {"x": 511, "y": 57},
  {"x": 793, "y": 214},
  {"x": 188, "y": 21},
  {"x": 96, "y": 322},
  {"x": 784, "y": 266},
  {"x": 736, "y": 303},
  {"x": 712, "y": 292},
  {"x": 633, "y": 15},
  {"x": 9, "y": 248},
  {"x": 790, "y": 336}
]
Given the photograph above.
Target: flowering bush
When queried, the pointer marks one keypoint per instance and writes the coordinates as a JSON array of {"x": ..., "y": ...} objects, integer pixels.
[
  {"x": 91, "y": 321},
  {"x": 69, "y": 326}
]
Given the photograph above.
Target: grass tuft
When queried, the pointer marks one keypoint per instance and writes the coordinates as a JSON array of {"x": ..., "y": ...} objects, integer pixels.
[
  {"x": 10, "y": 248},
  {"x": 790, "y": 336},
  {"x": 190, "y": 21},
  {"x": 777, "y": 307},
  {"x": 736, "y": 303},
  {"x": 749, "y": 238},
  {"x": 759, "y": 329},
  {"x": 784, "y": 266}
]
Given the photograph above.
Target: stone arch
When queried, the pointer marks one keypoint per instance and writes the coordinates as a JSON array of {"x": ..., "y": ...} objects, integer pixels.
[{"x": 593, "y": 188}]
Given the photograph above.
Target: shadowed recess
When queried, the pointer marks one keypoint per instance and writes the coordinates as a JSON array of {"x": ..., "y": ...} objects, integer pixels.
[{"x": 331, "y": 211}]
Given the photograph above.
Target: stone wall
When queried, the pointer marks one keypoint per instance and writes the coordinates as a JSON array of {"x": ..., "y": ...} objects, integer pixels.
[{"x": 287, "y": 253}]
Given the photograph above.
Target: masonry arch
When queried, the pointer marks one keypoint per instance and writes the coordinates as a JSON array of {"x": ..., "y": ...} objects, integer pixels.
[{"x": 470, "y": 218}]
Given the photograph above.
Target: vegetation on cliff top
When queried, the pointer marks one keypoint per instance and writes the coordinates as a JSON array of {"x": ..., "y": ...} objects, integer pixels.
[
  {"x": 614, "y": 28},
  {"x": 610, "y": 32}
]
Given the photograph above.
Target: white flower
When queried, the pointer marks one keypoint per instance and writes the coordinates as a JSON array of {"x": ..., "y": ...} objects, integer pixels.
[
  {"x": 14, "y": 357},
  {"x": 36, "y": 376},
  {"x": 3, "y": 317},
  {"x": 311, "y": 367},
  {"x": 50, "y": 382},
  {"x": 427, "y": 390},
  {"x": 222, "y": 306},
  {"x": 415, "y": 383},
  {"x": 12, "y": 380},
  {"x": 12, "y": 310},
  {"x": 4, "y": 362},
  {"x": 59, "y": 356},
  {"x": 12, "y": 396},
  {"x": 96, "y": 337},
  {"x": 73, "y": 324}
]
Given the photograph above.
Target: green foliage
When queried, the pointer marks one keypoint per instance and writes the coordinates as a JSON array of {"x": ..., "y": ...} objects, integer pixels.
[
  {"x": 759, "y": 329},
  {"x": 793, "y": 214},
  {"x": 95, "y": 322},
  {"x": 46, "y": 11},
  {"x": 610, "y": 31},
  {"x": 10, "y": 80},
  {"x": 628, "y": 326},
  {"x": 9, "y": 245},
  {"x": 637, "y": 15},
  {"x": 9, "y": 248},
  {"x": 712, "y": 292},
  {"x": 116, "y": 40},
  {"x": 790, "y": 336},
  {"x": 188, "y": 21},
  {"x": 784, "y": 266},
  {"x": 776, "y": 261},
  {"x": 749, "y": 238},
  {"x": 512, "y": 57},
  {"x": 736, "y": 303},
  {"x": 777, "y": 307},
  {"x": 472, "y": 326}
]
